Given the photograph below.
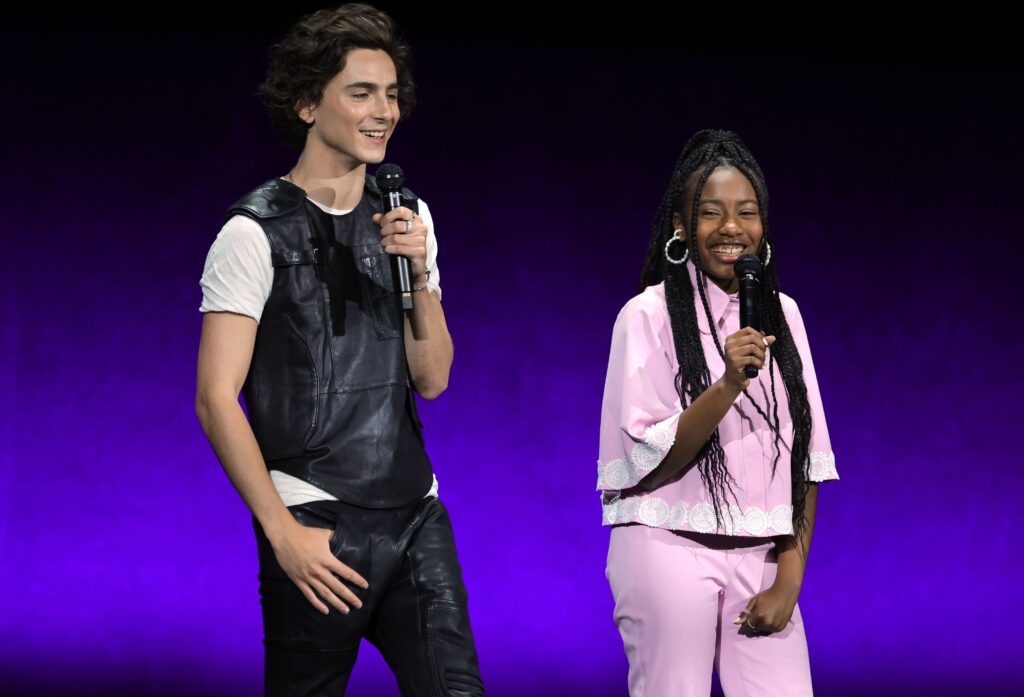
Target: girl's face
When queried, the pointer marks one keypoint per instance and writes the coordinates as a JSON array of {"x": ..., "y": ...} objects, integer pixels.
[{"x": 728, "y": 224}]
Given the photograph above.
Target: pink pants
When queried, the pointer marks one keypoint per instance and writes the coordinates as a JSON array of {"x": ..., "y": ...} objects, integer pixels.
[{"x": 675, "y": 602}]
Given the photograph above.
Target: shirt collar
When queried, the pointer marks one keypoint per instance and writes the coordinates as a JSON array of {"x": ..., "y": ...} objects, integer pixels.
[{"x": 718, "y": 299}]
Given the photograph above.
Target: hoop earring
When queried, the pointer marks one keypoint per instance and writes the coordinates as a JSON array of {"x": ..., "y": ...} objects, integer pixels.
[
  {"x": 768, "y": 255},
  {"x": 676, "y": 238}
]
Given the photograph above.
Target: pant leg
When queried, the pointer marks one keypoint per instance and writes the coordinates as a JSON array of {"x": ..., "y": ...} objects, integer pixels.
[
  {"x": 666, "y": 609},
  {"x": 772, "y": 665},
  {"x": 306, "y": 653},
  {"x": 422, "y": 622}
]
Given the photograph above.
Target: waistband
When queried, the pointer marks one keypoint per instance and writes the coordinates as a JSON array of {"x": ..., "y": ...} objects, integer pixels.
[
  {"x": 327, "y": 511},
  {"x": 713, "y": 541},
  {"x": 689, "y": 538}
]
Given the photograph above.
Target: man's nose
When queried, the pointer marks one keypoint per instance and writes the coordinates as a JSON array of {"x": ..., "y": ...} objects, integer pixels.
[{"x": 381, "y": 108}]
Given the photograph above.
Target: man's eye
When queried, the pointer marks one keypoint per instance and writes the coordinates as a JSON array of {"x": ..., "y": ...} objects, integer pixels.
[
  {"x": 361, "y": 95},
  {"x": 749, "y": 213},
  {"x": 393, "y": 97}
]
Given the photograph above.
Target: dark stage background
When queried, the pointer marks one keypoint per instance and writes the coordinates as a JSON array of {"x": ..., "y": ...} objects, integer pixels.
[{"x": 127, "y": 560}]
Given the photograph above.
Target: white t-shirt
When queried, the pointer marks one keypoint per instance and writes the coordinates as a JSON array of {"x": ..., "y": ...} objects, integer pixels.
[{"x": 238, "y": 276}]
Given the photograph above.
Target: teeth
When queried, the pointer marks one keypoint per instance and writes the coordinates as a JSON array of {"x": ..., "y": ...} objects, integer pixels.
[
  {"x": 374, "y": 134},
  {"x": 729, "y": 251}
]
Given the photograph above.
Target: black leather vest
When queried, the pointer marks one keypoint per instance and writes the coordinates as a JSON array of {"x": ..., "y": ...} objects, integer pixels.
[{"x": 328, "y": 392}]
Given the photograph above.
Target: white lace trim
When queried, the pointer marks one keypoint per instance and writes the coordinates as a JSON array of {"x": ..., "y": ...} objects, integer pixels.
[
  {"x": 823, "y": 466},
  {"x": 656, "y": 512},
  {"x": 625, "y": 472}
]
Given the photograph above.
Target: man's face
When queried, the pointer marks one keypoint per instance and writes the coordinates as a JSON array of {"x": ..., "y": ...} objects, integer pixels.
[{"x": 358, "y": 111}]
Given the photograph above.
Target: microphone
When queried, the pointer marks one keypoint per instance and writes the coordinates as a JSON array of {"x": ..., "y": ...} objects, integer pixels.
[
  {"x": 749, "y": 272},
  {"x": 390, "y": 181}
]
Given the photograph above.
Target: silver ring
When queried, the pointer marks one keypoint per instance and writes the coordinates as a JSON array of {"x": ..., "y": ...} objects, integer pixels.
[
  {"x": 408, "y": 224},
  {"x": 750, "y": 625}
]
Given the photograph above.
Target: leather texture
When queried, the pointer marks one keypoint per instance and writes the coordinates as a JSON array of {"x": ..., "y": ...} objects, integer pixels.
[
  {"x": 415, "y": 610},
  {"x": 328, "y": 393}
]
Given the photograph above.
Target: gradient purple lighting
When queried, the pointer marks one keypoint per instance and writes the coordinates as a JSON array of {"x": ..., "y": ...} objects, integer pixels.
[{"x": 127, "y": 559}]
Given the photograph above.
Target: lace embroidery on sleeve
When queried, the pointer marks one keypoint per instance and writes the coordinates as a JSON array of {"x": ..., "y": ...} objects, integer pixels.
[
  {"x": 823, "y": 466},
  {"x": 645, "y": 456}
]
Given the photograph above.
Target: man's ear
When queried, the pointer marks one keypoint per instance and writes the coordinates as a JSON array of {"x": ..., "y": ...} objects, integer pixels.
[{"x": 306, "y": 112}]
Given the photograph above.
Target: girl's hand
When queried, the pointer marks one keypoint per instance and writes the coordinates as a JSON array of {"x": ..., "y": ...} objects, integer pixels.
[
  {"x": 768, "y": 611},
  {"x": 400, "y": 237},
  {"x": 745, "y": 347}
]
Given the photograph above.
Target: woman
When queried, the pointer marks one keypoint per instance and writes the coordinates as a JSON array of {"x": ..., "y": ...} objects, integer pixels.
[{"x": 710, "y": 477}]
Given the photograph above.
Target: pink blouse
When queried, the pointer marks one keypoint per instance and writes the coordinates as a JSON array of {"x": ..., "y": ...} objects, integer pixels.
[{"x": 641, "y": 409}]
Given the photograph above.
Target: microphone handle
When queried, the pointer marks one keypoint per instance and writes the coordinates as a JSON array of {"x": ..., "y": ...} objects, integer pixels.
[
  {"x": 748, "y": 314},
  {"x": 403, "y": 279},
  {"x": 404, "y": 282}
]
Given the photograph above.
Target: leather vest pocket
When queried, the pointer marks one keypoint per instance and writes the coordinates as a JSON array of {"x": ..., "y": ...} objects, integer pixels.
[
  {"x": 284, "y": 390},
  {"x": 378, "y": 289}
]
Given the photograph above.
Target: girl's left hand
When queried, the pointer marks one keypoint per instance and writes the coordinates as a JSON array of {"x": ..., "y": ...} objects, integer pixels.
[
  {"x": 401, "y": 238},
  {"x": 768, "y": 611}
]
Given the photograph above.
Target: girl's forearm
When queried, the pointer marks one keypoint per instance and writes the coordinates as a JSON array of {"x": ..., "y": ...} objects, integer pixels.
[
  {"x": 696, "y": 424},
  {"x": 793, "y": 550}
]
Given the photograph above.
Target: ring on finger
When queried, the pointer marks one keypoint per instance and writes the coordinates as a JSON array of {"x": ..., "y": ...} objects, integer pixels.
[{"x": 408, "y": 224}]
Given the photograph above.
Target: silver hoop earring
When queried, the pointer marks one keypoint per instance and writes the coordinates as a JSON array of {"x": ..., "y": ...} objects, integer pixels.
[
  {"x": 768, "y": 254},
  {"x": 676, "y": 238}
]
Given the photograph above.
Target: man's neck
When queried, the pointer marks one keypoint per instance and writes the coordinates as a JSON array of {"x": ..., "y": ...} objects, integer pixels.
[{"x": 329, "y": 180}]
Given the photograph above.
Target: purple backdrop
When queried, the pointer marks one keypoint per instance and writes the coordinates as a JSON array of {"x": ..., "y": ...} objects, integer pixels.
[{"x": 127, "y": 559}]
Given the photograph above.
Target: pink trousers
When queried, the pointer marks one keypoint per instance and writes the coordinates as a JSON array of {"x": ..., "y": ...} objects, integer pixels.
[{"x": 675, "y": 602}]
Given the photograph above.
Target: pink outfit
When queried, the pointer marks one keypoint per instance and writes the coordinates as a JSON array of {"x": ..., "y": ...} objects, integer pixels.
[
  {"x": 677, "y": 588},
  {"x": 641, "y": 410},
  {"x": 675, "y": 601}
]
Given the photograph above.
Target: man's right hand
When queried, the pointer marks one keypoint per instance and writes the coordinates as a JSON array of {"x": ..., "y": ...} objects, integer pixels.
[{"x": 304, "y": 554}]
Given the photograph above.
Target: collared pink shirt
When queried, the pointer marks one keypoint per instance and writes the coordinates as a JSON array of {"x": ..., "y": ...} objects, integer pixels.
[{"x": 641, "y": 410}]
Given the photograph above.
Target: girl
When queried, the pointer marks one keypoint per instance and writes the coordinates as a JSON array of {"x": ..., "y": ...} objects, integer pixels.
[{"x": 709, "y": 478}]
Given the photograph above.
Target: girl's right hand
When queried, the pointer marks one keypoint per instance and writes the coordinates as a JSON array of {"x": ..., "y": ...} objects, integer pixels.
[
  {"x": 745, "y": 347},
  {"x": 304, "y": 554}
]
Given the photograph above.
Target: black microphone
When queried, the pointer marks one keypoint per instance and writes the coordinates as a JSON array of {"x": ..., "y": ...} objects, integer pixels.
[
  {"x": 390, "y": 181},
  {"x": 749, "y": 272}
]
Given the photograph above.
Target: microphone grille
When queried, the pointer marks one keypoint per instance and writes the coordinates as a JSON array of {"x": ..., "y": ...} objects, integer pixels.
[
  {"x": 390, "y": 178},
  {"x": 749, "y": 265}
]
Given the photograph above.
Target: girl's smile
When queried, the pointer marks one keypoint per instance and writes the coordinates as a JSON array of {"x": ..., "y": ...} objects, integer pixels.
[{"x": 728, "y": 224}]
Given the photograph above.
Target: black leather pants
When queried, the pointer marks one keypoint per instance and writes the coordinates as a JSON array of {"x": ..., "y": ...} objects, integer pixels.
[{"x": 414, "y": 612}]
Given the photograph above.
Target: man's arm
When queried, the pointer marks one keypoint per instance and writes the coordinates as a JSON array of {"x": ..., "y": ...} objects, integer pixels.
[
  {"x": 225, "y": 352},
  {"x": 428, "y": 345}
]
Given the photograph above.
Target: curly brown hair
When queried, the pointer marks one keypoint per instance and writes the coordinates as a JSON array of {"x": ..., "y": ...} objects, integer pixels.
[{"x": 314, "y": 51}]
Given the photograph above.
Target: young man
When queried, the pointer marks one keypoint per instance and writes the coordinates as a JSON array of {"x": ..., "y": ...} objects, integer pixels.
[{"x": 301, "y": 317}]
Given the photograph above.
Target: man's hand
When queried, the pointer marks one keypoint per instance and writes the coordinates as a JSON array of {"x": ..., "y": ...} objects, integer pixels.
[
  {"x": 304, "y": 554},
  {"x": 403, "y": 233}
]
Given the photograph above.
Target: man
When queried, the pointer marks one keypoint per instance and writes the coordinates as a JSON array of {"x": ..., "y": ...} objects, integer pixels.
[{"x": 301, "y": 317}]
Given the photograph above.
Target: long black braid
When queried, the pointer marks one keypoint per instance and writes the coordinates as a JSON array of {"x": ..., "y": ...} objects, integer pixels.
[{"x": 706, "y": 151}]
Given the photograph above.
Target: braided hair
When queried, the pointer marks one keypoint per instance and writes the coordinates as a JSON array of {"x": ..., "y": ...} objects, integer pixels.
[{"x": 706, "y": 151}]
